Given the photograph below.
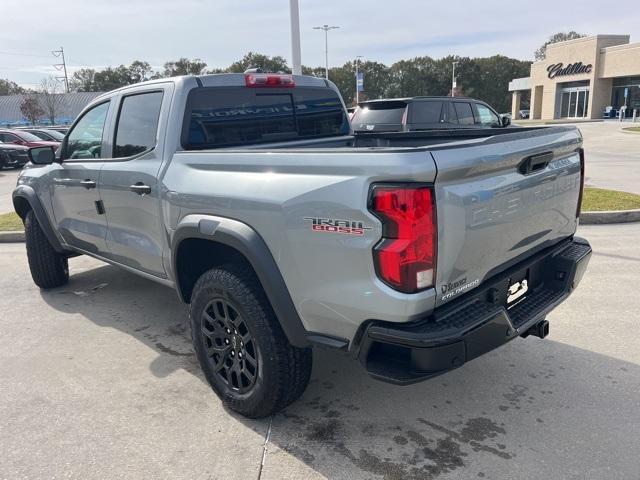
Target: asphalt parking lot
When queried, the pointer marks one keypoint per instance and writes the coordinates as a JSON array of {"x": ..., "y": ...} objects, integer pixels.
[{"x": 99, "y": 381}]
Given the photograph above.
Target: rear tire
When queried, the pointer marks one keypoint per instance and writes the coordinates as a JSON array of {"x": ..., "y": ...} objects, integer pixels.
[
  {"x": 49, "y": 269},
  {"x": 243, "y": 352}
]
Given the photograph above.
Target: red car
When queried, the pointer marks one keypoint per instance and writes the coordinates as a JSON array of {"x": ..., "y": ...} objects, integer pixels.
[{"x": 25, "y": 138}]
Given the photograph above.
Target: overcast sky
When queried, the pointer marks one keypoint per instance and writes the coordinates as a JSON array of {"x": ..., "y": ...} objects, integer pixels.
[{"x": 103, "y": 33}]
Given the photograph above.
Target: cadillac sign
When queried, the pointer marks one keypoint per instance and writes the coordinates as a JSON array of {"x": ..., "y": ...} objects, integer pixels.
[{"x": 559, "y": 70}]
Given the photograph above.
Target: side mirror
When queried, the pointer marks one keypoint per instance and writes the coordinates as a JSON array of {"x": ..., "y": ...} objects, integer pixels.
[
  {"x": 505, "y": 120},
  {"x": 42, "y": 155}
]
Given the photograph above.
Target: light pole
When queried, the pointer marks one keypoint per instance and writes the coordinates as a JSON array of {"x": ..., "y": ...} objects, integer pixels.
[
  {"x": 453, "y": 80},
  {"x": 326, "y": 29},
  {"x": 357, "y": 81},
  {"x": 296, "y": 57}
]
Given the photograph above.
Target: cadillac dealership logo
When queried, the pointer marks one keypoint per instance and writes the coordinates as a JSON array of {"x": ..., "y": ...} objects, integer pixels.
[{"x": 559, "y": 70}]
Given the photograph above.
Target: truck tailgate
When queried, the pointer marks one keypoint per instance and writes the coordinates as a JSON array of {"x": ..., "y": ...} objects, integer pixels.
[{"x": 500, "y": 200}]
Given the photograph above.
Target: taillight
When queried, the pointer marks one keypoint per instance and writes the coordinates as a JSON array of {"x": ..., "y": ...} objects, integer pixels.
[
  {"x": 581, "y": 152},
  {"x": 259, "y": 80},
  {"x": 405, "y": 258}
]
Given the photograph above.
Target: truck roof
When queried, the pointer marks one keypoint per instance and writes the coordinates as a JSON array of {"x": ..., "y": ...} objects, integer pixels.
[
  {"x": 417, "y": 98},
  {"x": 223, "y": 80}
]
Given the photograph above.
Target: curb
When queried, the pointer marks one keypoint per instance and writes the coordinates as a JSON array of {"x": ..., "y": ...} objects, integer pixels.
[
  {"x": 624, "y": 130},
  {"x": 11, "y": 237},
  {"x": 606, "y": 217}
]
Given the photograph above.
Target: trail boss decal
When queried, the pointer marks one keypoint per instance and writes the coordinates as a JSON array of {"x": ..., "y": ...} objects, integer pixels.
[{"x": 330, "y": 225}]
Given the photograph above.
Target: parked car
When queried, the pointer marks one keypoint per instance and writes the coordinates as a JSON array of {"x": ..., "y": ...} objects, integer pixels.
[
  {"x": 44, "y": 133},
  {"x": 59, "y": 128},
  {"x": 13, "y": 156},
  {"x": 26, "y": 139},
  {"x": 248, "y": 195},
  {"x": 523, "y": 114},
  {"x": 425, "y": 113}
]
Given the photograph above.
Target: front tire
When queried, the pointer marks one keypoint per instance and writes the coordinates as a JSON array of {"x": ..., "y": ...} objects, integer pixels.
[
  {"x": 49, "y": 269},
  {"x": 243, "y": 352}
]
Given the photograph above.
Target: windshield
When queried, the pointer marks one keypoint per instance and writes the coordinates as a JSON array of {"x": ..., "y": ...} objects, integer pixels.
[
  {"x": 377, "y": 113},
  {"x": 225, "y": 116},
  {"x": 29, "y": 137},
  {"x": 57, "y": 136}
]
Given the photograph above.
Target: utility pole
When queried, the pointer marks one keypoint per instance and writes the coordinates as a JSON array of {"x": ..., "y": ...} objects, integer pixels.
[
  {"x": 453, "y": 80},
  {"x": 357, "y": 81},
  {"x": 326, "y": 29},
  {"x": 61, "y": 67},
  {"x": 296, "y": 56}
]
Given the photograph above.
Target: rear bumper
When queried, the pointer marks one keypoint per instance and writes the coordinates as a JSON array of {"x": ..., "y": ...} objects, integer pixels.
[{"x": 475, "y": 323}]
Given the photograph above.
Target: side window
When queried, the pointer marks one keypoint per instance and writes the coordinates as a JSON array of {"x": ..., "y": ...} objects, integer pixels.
[
  {"x": 464, "y": 113},
  {"x": 137, "y": 124},
  {"x": 425, "y": 112},
  {"x": 486, "y": 116},
  {"x": 450, "y": 114},
  {"x": 85, "y": 140}
]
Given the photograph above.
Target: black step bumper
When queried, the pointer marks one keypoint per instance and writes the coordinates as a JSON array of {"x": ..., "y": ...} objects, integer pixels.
[{"x": 475, "y": 323}]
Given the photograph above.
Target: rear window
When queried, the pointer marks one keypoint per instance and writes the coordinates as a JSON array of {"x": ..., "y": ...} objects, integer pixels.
[
  {"x": 389, "y": 113},
  {"x": 425, "y": 112},
  {"x": 228, "y": 116}
]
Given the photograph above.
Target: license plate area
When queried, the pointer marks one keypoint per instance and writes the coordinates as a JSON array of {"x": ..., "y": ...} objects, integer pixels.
[{"x": 518, "y": 287}]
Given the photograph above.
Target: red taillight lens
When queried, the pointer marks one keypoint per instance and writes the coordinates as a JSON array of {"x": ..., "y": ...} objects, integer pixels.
[
  {"x": 405, "y": 258},
  {"x": 260, "y": 80},
  {"x": 581, "y": 152}
]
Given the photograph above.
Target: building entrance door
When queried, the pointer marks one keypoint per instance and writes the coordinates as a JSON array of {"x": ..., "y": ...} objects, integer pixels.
[{"x": 574, "y": 102}]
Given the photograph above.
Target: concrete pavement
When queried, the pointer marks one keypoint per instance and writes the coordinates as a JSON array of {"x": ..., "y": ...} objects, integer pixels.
[
  {"x": 612, "y": 157},
  {"x": 7, "y": 184},
  {"x": 99, "y": 381}
]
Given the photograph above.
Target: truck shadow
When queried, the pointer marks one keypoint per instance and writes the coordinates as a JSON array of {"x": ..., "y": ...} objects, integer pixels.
[{"x": 531, "y": 399}]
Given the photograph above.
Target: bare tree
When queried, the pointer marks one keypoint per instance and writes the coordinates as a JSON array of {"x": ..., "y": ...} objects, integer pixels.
[
  {"x": 51, "y": 98},
  {"x": 31, "y": 108}
]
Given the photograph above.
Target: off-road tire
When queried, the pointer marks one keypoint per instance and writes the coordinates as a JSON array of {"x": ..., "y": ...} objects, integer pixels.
[
  {"x": 283, "y": 370},
  {"x": 49, "y": 269}
]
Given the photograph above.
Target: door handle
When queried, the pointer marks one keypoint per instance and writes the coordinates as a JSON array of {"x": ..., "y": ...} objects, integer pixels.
[
  {"x": 140, "y": 188},
  {"x": 88, "y": 184}
]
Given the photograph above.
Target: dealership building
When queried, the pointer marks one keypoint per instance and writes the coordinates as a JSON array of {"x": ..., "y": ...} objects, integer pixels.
[{"x": 582, "y": 78}]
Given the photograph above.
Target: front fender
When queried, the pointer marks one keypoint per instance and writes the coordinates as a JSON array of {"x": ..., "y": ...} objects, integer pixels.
[{"x": 24, "y": 199}]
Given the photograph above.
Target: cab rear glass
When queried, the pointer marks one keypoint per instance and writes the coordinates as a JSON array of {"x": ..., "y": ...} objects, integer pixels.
[
  {"x": 233, "y": 116},
  {"x": 378, "y": 113}
]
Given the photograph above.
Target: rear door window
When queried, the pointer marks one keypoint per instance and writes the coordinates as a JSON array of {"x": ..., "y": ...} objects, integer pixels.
[
  {"x": 379, "y": 113},
  {"x": 464, "y": 113},
  {"x": 229, "y": 116},
  {"x": 425, "y": 112},
  {"x": 137, "y": 124}
]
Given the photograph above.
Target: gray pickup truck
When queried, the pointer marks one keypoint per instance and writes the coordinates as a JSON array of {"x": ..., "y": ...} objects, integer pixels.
[{"x": 249, "y": 194}]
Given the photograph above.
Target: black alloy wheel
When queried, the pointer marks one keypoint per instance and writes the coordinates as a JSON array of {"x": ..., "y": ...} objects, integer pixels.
[{"x": 229, "y": 345}]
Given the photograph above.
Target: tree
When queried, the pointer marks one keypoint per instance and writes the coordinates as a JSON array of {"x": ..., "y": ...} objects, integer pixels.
[
  {"x": 140, "y": 71},
  {"x": 31, "y": 109},
  {"x": 257, "y": 60},
  {"x": 183, "y": 66},
  {"x": 112, "y": 78},
  {"x": 8, "y": 87},
  {"x": 541, "y": 52},
  {"x": 50, "y": 98},
  {"x": 83, "y": 80}
]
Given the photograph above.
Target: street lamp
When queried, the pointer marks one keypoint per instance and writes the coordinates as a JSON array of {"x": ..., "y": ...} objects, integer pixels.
[
  {"x": 453, "y": 80},
  {"x": 296, "y": 61},
  {"x": 326, "y": 29},
  {"x": 357, "y": 81}
]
